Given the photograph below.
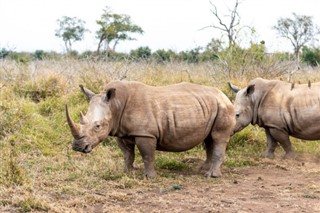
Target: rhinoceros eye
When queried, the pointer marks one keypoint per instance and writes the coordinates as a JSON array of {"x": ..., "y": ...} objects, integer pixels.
[
  {"x": 237, "y": 114},
  {"x": 97, "y": 126}
]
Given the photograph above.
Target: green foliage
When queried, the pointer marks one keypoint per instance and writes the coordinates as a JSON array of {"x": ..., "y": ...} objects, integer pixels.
[
  {"x": 31, "y": 204},
  {"x": 111, "y": 175},
  {"x": 244, "y": 147},
  {"x": 12, "y": 173},
  {"x": 70, "y": 30},
  {"x": 20, "y": 57},
  {"x": 311, "y": 56},
  {"x": 164, "y": 162},
  {"x": 299, "y": 30},
  {"x": 4, "y": 53},
  {"x": 191, "y": 56},
  {"x": 39, "y": 54},
  {"x": 41, "y": 88},
  {"x": 115, "y": 28},
  {"x": 164, "y": 56},
  {"x": 142, "y": 53}
]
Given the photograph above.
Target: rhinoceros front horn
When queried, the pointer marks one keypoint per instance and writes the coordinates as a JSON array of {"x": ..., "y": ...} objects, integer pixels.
[{"x": 73, "y": 127}]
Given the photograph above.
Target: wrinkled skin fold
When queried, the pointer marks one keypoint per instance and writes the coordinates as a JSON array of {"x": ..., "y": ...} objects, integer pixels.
[
  {"x": 171, "y": 118},
  {"x": 282, "y": 109}
]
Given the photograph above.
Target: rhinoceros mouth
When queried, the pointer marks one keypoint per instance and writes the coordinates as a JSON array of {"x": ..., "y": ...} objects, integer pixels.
[{"x": 85, "y": 149}]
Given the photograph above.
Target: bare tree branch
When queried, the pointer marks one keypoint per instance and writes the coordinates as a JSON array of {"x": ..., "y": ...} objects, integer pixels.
[{"x": 230, "y": 29}]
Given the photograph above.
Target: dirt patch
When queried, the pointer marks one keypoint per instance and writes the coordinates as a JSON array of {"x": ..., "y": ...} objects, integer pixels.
[{"x": 273, "y": 186}]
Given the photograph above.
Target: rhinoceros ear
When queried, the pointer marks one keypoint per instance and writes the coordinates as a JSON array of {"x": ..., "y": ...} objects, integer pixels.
[
  {"x": 233, "y": 87},
  {"x": 88, "y": 93},
  {"x": 110, "y": 94},
  {"x": 250, "y": 89}
]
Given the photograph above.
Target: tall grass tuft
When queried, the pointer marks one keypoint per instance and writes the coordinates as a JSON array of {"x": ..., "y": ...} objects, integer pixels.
[{"x": 12, "y": 173}]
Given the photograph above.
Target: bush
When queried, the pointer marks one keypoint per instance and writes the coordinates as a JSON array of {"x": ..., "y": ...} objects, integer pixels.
[
  {"x": 140, "y": 53},
  {"x": 311, "y": 56},
  {"x": 4, "y": 53},
  {"x": 39, "y": 55},
  {"x": 20, "y": 57},
  {"x": 42, "y": 88}
]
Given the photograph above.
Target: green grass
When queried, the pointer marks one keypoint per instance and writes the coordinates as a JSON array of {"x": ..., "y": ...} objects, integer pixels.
[{"x": 40, "y": 172}]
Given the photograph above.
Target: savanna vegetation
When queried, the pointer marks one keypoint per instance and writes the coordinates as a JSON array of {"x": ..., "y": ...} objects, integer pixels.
[{"x": 39, "y": 170}]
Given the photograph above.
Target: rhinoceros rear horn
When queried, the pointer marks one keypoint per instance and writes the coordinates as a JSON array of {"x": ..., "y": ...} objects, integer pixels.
[
  {"x": 88, "y": 93},
  {"x": 73, "y": 127},
  {"x": 233, "y": 87}
]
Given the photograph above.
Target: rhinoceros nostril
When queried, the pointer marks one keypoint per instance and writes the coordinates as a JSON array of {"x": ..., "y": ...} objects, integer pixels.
[{"x": 86, "y": 147}]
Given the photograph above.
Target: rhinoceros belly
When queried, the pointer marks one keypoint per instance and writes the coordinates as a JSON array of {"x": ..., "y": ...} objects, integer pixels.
[
  {"x": 305, "y": 123},
  {"x": 182, "y": 130}
]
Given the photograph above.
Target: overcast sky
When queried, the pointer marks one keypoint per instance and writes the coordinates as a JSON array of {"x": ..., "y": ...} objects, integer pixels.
[{"x": 29, "y": 25}]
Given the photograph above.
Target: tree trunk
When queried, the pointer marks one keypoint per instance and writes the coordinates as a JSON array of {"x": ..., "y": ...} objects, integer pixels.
[{"x": 100, "y": 44}]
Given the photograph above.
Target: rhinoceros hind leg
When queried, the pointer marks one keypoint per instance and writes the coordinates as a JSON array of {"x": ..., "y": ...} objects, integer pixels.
[
  {"x": 216, "y": 156},
  {"x": 284, "y": 141},
  {"x": 209, "y": 153}
]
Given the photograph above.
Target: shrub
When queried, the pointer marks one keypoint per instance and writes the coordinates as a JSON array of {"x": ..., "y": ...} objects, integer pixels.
[
  {"x": 311, "y": 56},
  {"x": 42, "y": 88}
]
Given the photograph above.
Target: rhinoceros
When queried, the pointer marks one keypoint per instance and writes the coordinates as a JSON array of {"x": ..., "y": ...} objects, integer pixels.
[
  {"x": 170, "y": 118},
  {"x": 282, "y": 109}
]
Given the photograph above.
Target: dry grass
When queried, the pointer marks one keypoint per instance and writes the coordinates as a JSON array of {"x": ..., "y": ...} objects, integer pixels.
[{"x": 39, "y": 171}]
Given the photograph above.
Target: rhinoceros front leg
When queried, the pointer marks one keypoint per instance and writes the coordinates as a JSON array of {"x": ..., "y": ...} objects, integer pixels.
[
  {"x": 127, "y": 148},
  {"x": 147, "y": 148},
  {"x": 271, "y": 145},
  {"x": 284, "y": 141}
]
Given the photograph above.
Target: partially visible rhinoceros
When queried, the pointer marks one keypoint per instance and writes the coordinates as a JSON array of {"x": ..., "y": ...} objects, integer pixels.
[
  {"x": 282, "y": 109},
  {"x": 168, "y": 118}
]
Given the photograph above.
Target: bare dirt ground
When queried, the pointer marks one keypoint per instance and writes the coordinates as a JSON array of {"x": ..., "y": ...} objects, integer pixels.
[{"x": 272, "y": 186}]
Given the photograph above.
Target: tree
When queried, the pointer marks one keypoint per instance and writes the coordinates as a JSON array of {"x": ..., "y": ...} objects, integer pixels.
[
  {"x": 230, "y": 28},
  {"x": 299, "y": 30},
  {"x": 115, "y": 28},
  {"x": 70, "y": 30},
  {"x": 4, "y": 53}
]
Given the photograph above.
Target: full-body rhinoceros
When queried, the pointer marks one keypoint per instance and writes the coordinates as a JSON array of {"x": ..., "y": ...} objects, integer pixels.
[
  {"x": 282, "y": 109},
  {"x": 168, "y": 118}
]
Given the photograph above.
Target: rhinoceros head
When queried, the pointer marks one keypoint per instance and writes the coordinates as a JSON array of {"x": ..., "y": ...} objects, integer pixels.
[
  {"x": 96, "y": 125},
  {"x": 243, "y": 105}
]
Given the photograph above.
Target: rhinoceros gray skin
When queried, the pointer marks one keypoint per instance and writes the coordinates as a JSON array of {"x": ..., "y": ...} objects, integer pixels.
[
  {"x": 282, "y": 109},
  {"x": 171, "y": 118}
]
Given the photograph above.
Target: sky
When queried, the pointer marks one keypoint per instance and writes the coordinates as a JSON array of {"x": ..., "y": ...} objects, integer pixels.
[{"x": 29, "y": 25}]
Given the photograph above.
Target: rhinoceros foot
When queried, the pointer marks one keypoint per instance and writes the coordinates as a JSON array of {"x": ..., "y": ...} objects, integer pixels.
[
  {"x": 216, "y": 173},
  {"x": 267, "y": 154},
  {"x": 289, "y": 155},
  {"x": 150, "y": 174}
]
